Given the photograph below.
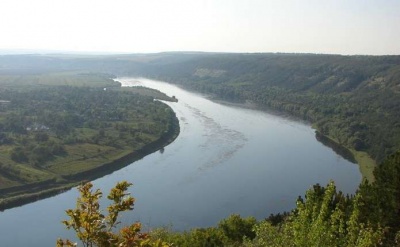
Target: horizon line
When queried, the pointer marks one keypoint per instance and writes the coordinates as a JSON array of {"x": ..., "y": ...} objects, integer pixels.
[{"x": 24, "y": 51}]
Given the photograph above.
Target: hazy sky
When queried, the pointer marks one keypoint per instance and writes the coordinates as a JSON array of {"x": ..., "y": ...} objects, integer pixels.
[{"x": 314, "y": 26}]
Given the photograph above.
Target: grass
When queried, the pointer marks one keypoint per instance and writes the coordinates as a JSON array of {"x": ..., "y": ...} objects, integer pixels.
[
  {"x": 366, "y": 163},
  {"x": 83, "y": 157},
  {"x": 5, "y": 182},
  {"x": 24, "y": 173}
]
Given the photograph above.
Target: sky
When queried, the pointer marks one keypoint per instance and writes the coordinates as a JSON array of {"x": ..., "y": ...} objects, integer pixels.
[{"x": 365, "y": 27}]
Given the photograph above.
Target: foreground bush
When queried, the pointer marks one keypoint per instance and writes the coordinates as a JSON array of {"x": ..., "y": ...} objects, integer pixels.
[{"x": 94, "y": 228}]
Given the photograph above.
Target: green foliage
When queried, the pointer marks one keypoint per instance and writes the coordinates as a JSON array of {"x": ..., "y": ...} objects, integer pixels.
[
  {"x": 325, "y": 218},
  {"x": 94, "y": 228},
  {"x": 268, "y": 235},
  {"x": 380, "y": 201},
  {"x": 236, "y": 228},
  {"x": 229, "y": 232}
]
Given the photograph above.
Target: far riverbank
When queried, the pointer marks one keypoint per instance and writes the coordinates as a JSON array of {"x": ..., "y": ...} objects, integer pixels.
[{"x": 362, "y": 159}]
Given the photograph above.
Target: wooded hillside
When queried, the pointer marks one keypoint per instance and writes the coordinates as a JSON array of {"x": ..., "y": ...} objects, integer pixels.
[{"x": 352, "y": 99}]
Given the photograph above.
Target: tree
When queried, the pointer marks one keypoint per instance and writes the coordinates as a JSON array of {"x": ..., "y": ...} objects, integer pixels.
[
  {"x": 96, "y": 229},
  {"x": 324, "y": 218},
  {"x": 236, "y": 227}
]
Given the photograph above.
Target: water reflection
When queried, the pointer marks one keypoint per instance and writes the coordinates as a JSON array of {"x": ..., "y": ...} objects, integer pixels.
[{"x": 338, "y": 149}]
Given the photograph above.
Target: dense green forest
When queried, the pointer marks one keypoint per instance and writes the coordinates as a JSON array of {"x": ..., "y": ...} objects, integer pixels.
[{"x": 54, "y": 133}]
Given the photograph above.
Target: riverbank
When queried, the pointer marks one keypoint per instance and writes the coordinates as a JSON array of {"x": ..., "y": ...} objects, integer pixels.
[
  {"x": 365, "y": 162},
  {"x": 362, "y": 159},
  {"x": 18, "y": 196}
]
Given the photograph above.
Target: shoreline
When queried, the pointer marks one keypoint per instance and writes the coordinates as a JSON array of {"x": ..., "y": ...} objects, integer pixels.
[
  {"x": 365, "y": 163},
  {"x": 52, "y": 187}
]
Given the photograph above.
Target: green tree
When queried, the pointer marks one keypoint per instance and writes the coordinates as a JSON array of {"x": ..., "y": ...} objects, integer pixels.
[
  {"x": 325, "y": 218},
  {"x": 94, "y": 228},
  {"x": 235, "y": 228}
]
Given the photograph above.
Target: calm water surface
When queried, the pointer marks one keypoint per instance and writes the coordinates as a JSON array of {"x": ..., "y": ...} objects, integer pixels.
[{"x": 225, "y": 160}]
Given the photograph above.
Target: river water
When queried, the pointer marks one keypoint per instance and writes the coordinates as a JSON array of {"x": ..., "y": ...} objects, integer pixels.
[{"x": 226, "y": 160}]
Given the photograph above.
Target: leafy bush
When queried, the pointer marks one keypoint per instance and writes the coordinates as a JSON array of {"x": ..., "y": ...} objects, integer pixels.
[{"x": 94, "y": 228}]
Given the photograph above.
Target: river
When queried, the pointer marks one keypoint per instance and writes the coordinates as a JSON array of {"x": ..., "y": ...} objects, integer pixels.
[{"x": 226, "y": 160}]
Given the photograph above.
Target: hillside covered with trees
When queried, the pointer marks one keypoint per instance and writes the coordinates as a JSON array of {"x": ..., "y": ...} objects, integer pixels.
[
  {"x": 54, "y": 135},
  {"x": 352, "y": 99}
]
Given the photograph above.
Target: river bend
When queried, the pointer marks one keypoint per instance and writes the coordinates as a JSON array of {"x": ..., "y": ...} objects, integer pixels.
[{"x": 226, "y": 160}]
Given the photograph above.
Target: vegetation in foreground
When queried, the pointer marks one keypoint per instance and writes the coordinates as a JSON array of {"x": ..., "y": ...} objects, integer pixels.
[
  {"x": 53, "y": 136},
  {"x": 94, "y": 228},
  {"x": 324, "y": 217}
]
